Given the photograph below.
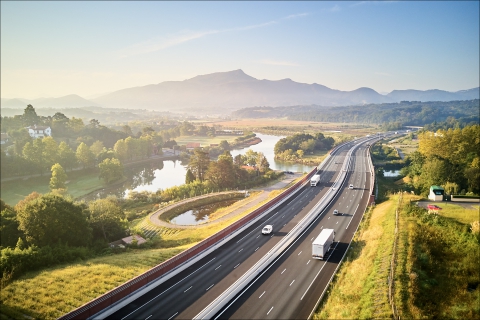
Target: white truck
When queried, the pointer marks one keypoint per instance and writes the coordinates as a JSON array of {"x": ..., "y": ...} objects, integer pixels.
[
  {"x": 322, "y": 243},
  {"x": 314, "y": 180}
]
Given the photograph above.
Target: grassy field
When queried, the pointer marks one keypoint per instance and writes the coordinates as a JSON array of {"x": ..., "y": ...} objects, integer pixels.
[
  {"x": 79, "y": 183},
  {"x": 53, "y": 292},
  {"x": 204, "y": 141},
  {"x": 50, "y": 293},
  {"x": 359, "y": 290}
]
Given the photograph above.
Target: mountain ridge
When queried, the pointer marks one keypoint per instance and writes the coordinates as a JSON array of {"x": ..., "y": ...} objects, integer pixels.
[{"x": 228, "y": 91}]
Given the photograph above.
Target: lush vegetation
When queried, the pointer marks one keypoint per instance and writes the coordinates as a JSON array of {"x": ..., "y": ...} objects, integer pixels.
[
  {"x": 293, "y": 148},
  {"x": 438, "y": 263},
  {"x": 413, "y": 113},
  {"x": 449, "y": 158}
]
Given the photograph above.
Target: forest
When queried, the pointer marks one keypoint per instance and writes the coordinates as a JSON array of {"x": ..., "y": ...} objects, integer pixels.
[{"x": 409, "y": 113}]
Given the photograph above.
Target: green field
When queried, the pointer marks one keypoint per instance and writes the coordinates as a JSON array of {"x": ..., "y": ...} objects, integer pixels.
[
  {"x": 79, "y": 184},
  {"x": 204, "y": 141}
]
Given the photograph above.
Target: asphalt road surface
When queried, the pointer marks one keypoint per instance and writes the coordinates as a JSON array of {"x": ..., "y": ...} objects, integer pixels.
[
  {"x": 291, "y": 287},
  {"x": 186, "y": 294}
]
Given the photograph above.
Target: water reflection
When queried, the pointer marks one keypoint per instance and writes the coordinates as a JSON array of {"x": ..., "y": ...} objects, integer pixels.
[
  {"x": 156, "y": 174},
  {"x": 199, "y": 214}
]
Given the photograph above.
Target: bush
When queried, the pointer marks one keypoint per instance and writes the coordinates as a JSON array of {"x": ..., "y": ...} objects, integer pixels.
[{"x": 14, "y": 262}]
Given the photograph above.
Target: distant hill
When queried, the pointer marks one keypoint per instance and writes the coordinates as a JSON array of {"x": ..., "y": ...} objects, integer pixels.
[
  {"x": 224, "y": 92},
  {"x": 414, "y": 113},
  {"x": 69, "y": 101}
]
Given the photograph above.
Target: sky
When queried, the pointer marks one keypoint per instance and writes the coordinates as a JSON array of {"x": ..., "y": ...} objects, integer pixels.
[{"x": 52, "y": 49}]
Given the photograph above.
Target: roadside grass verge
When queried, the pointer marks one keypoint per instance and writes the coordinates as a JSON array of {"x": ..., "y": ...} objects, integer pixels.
[
  {"x": 53, "y": 292},
  {"x": 360, "y": 287},
  {"x": 437, "y": 274}
]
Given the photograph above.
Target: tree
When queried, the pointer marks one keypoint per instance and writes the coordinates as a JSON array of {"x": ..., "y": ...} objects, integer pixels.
[
  {"x": 250, "y": 157},
  {"x": 239, "y": 160},
  {"x": 131, "y": 145},
  {"x": 199, "y": 163},
  {"x": 120, "y": 149},
  {"x": 30, "y": 116},
  {"x": 59, "y": 178},
  {"x": 189, "y": 177},
  {"x": 262, "y": 162},
  {"x": 107, "y": 219},
  {"x": 66, "y": 156},
  {"x": 127, "y": 130},
  {"x": 110, "y": 170},
  {"x": 97, "y": 148},
  {"x": 84, "y": 155},
  {"x": 51, "y": 219},
  {"x": 224, "y": 145},
  {"x": 50, "y": 151},
  {"x": 8, "y": 226},
  {"x": 221, "y": 173}
]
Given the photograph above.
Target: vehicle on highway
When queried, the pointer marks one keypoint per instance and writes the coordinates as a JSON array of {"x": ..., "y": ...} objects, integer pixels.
[
  {"x": 350, "y": 187},
  {"x": 323, "y": 243},
  {"x": 267, "y": 229},
  {"x": 314, "y": 180},
  {"x": 335, "y": 212}
]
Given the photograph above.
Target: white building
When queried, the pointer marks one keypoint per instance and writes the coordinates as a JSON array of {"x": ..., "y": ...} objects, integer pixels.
[{"x": 39, "y": 131}]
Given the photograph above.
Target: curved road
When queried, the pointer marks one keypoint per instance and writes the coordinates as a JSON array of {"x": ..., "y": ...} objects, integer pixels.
[{"x": 186, "y": 294}]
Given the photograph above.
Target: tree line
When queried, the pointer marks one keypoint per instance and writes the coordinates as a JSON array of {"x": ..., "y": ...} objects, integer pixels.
[
  {"x": 410, "y": 113},
  {"x": 450, "y": 158},
  {"x": 296, "y": 146}
]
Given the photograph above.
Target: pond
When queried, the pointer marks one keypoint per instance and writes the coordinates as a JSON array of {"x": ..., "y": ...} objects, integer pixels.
[
  {"x": 391, "y": 173},
  {"x": 154, "y": 175},
  {"x": 200, "y": 214}
]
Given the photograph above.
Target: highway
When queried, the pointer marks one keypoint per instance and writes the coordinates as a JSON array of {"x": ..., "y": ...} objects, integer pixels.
[
  {"x": 290, "y": 288},
  {"x": 189, "y": 292}
]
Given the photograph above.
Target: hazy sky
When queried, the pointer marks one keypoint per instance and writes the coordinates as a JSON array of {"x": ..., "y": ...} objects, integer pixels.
[{"x": 51, "y": 49}]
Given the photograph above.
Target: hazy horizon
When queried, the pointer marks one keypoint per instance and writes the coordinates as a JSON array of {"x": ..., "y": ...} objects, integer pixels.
[{"x": 53, "y": 49}]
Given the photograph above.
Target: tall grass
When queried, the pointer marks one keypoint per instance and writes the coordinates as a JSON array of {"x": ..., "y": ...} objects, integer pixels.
[
  {"x": 360, "y": 288},
  {"x": 53, "y": 292},
  {"x": 438, "y": 273}
]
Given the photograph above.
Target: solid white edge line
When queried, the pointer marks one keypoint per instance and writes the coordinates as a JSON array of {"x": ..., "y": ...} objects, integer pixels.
[
  {"x": 166, "y": 290},
  {"x": 269, "y": 310},
  {"x": 173, "y": 316}
]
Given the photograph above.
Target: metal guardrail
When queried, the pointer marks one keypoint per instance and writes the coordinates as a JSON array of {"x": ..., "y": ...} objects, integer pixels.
[
  {"x": 130, "y": 287},
  {"x": 222, "y": 300}
]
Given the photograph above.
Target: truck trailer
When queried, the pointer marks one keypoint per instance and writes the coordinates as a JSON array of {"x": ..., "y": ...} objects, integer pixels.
[
  {"x": 321, "y": 245},
  {"x": 315, "y": 180}
]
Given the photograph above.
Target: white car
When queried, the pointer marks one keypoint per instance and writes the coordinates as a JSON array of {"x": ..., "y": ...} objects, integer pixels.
[
  {"x": 335, "y": 212},
  {"x": 350, "y": 186},
  {"x": 267, "y": 229}
]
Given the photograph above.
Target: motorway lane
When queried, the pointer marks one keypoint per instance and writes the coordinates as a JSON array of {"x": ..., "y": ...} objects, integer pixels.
[
  {"x": 292, "y": 285},
  {"x": 188, "y": 293}
]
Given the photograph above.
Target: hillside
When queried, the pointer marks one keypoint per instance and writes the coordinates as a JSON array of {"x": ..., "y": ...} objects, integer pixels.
[{"x": 408, "y": 113}]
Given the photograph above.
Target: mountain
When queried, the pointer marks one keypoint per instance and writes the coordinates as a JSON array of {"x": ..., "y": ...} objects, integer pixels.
[
  {"x": 69, "y": 101},
  {"x": 224, "y": 92},
  {"x": 233, "y": 90},
  {"x": 433, "y": 95}
]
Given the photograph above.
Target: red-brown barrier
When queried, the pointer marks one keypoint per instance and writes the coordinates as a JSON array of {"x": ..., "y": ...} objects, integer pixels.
[{"x": 104, "y": 301}]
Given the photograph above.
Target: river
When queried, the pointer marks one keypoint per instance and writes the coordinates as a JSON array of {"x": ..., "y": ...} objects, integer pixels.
[{"x": 155, "y": 175}]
